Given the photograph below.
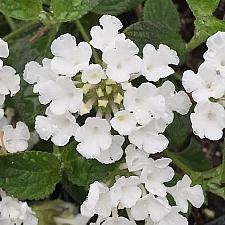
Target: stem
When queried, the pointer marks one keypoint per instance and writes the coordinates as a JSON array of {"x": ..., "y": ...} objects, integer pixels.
[
  {"x": 130, "y": 216},
  {"x": 179, "y": 164},
  {"x": 87, "y": 39},
  {"x": 10, "y": 22},
  {"x": 56, "y": 151},
  {"x": 22, "y": 29}
]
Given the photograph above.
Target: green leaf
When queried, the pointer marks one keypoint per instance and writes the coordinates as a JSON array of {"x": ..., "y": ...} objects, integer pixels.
[
  {"x": 179, "y": 131},
  {"x": 205, "y": 24},
  {"x": 155, "y": 33},
  {"x": 21, "y": 9},
  {"x": 68, "y": 10},
  {"x": 29, "y": 175},
  {"x": 164, "y": 11},
  {"x": 115, "y": 7},
  {"x": 161, "y": 26},
  {"x": 194, "y": 157},
  {"x": 81, "y": 171}
]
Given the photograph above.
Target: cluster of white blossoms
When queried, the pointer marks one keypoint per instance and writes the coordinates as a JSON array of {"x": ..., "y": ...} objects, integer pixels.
[
  {"x": 12, "y": 139},
  {"x": 208, "y": 90},
  {"x": 143, "y": 195},
  {"x": 14, "y": 212},
  {"x": 116, "y": 110},
  {"x": 9, "y": 80}
]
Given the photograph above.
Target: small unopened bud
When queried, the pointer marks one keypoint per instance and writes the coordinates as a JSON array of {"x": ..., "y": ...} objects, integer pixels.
[
  {"x": 100, "y": 92},
  {"x": 103, "y": 103},
  {"x": 110, "y": 82},
  {"x": 87, "y": 88},
  {"x": 118, "y": 98},
  {"x": 108, "y": 89}
]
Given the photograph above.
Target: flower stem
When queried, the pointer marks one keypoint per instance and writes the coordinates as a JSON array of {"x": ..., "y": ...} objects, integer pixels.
[
  {"x": 10, "y": 22},
  {"x": 87, "y": 39},
  {"x": 22, "y": 29}
]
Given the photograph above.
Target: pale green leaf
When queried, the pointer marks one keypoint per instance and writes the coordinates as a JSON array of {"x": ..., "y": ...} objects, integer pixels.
[
  {"x": 68, "y": 10},
  {"x": 21, "y": 9}
]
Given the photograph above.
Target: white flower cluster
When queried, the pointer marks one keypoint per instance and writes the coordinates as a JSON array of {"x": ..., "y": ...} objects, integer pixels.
[
  {"x": 9, "y": 80},
  {"x": 14, "y": 212},
  {"x": 12, "y": 139},
  {"x": 143, "y": 195},
  {"x": 116, "y": 110},
  {"x": 208, "y": 90},
  {"x": 71, "y": 86}
]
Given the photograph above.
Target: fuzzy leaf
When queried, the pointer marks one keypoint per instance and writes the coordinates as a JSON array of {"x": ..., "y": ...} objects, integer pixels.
[
  {"x": 29, "y": 175},
  {"x": 205, "y": 24},
  {"x": 155, "y": 33},
  {"x": 161, "y": 26},
  {"x": 162, "y": 10},
  {"x": 21, "y": 9},
  {"x": 178, "y": 131},
  {"x": 81, "y": 171},
  {"x": 68, "y": 10},
  {"x": 115, "y": 7},
  {"x": 194, "y": 158}
]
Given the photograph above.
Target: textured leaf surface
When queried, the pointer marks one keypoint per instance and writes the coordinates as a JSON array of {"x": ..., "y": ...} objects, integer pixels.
[
  {"x": 205, "y": 24},
  {"x": 161, "y": 25},
  {"x": 29, "y": 175},
  {"x": 115, "y": 7},
  {"x": 178, "y": 131},
  {"x": 81, "y": 171},
  {"x": 67, "y": 10},
  {"x": 164, "y": 11},
  {"x": 194, "y": 157},
  {"x": 21, "y": 9}
]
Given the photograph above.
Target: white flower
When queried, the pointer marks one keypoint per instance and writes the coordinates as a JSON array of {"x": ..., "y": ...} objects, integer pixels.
[
  {"x": 173, "y": 218},
  {"x": 155, "y": 174},
  {"x": 16, "y": 212},
  {"x": 4, "y": 51},
  {"x": 94, "y": 136},
  {"x": 62, "y": 95},
  {"x": 144, "y": 102},
  {"x": 208, "y": 120},
  {"x": 155, "y": 64},
  {"x": 37, "y": 74},
  {"x": 182, "y": 192},
  {"x": 175, "y": 101},
  {"x": 118, "y": 221},
  {"x": 69, "y": 58},
  {"x": 98, "y": 201},
  {"x": 205, "y": 84},
  {"x": 76, "y": 220},
  {"x": 151, "y": 206},
  {"x": 114, "y": 152},
  {"x": 59, "y": 128},
  {"x": 125, "y": 192},
  {"x": 136, "y": 159},
  {"x": 149, "y": 138},
  {"x": 9, "y": 81},
  {"x": 124, "y": 122},
  {"x": 92, "y": 74},
  {"x": 122, "y": 61},
  {"x": 16, "y": 139},
  {"x": 104, "y": 37},
  {"x": 215, "y": 54}
]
